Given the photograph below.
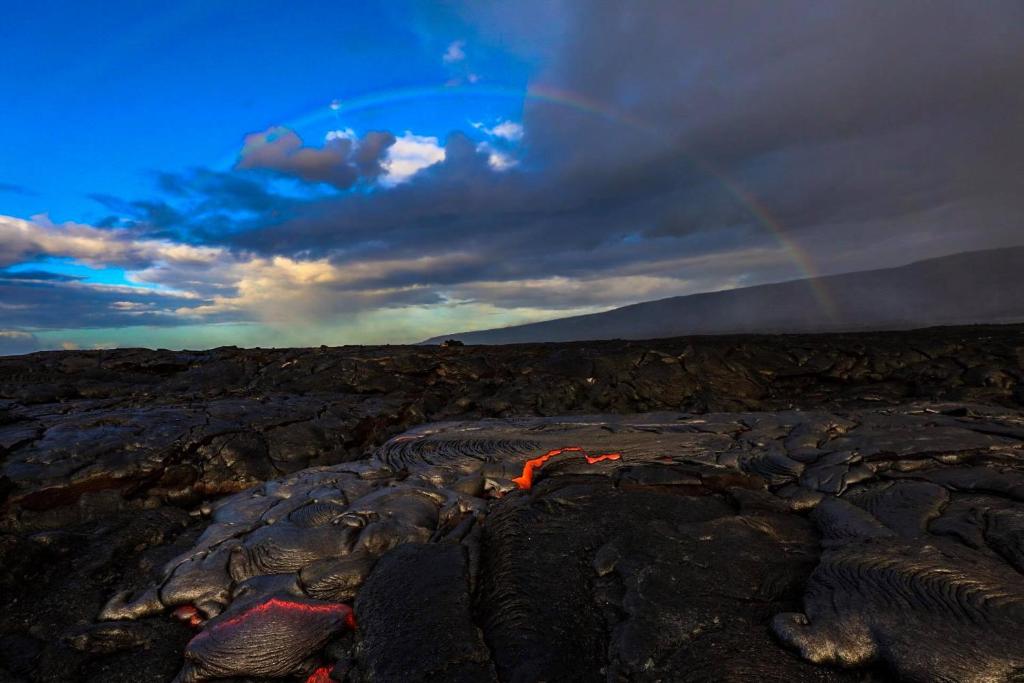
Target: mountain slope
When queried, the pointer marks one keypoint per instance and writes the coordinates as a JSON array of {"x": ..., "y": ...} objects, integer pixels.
[{"x": 971, "y": 287}]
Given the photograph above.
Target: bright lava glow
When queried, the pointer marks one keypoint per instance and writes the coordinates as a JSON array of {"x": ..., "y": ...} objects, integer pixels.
[
  {"x": 277, "y": 604},
  {"x": 525, "y": 480},
  {"x": 188, "y": 614},
  {"x": 322, "y": 674}
]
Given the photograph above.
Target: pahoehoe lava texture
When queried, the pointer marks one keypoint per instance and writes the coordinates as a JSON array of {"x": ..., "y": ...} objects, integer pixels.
[
  {"x": 846, "y": 507},
  {"x": 676, "y": 562},
  {"x": 419, "y": 596},
  {"x": 274, "y": 637}
]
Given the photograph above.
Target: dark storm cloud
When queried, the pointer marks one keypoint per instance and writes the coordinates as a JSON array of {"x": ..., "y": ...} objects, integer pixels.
[
  {"x": 200, "y": 205},
  {"x": 229, "y": 192},
  {"x": 38, "y": 275},
  {"x": 156, "y": 214},
  {"x": 56, "y": 304},
  {"x": 866, "y": 133},
  {"x": 341, "y": 162},
  {"x": 506, "y": 225},
  {"x": 370, "y": 151},
  {"x": 847, "y": 120},
  {"x": 826, "y": 112}
]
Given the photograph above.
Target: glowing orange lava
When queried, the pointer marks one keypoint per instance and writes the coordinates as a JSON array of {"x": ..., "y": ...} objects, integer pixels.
[
  {"x": 525, "y": 480},
  {"x": 321, "y": 675},
  {"x": 279, "y": 605},
  {"x": 189, "y": 614}
]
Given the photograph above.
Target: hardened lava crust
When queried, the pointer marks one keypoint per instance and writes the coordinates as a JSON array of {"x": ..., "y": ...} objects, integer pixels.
[{"x": 772, "y": 508}]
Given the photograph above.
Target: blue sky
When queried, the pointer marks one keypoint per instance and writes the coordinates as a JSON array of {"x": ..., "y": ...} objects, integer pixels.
[
  {"x": 195, "y": 173},
  {"x": 126, "y": 88}
]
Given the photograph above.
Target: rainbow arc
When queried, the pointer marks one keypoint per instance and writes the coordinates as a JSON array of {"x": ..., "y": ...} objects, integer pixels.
[{"x": 753, "y": 206}]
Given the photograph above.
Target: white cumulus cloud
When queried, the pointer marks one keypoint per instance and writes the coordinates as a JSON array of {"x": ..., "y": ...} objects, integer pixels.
[
  {"x": 497, "y": 159},
  {"x": 506, "y": 130},
  {"x": 410, "y": 154}
]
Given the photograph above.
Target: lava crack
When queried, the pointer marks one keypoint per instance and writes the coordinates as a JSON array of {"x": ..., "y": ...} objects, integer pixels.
[{"x": 525, "y": 480}]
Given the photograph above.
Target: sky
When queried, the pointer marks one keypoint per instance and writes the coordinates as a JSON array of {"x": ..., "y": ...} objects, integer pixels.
[{"x": 214, "y": 172}]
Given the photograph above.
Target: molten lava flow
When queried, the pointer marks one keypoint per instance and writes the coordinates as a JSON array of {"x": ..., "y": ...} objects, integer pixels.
[
  {"x": 321, "y": 675},
  {"x": 188, "y": 613},
  {"x": 525, "y": 480},
  {"x": 279, "y": 605}
]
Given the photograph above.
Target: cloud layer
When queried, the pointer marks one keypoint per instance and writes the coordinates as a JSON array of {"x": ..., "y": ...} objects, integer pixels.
[
  {"x": 341, "y": 162},
  {"x": 851, "y": 133},
  {"x": 687, "y": 147}
]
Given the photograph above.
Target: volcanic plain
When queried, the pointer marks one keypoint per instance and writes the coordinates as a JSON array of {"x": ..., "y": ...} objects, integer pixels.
[{"x": 836, "y": 507}]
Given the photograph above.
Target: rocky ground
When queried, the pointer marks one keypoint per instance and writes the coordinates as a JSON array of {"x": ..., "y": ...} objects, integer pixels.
[{"x": 833, "y": 507}]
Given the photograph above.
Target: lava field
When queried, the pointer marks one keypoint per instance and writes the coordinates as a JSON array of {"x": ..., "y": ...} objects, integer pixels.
[{"x": 773, "y": 508}]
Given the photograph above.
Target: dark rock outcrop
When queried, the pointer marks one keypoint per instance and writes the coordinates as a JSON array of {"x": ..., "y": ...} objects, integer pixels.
[
  {"x": 678, "y": 559},
  {"x": 418, "y": 595},
  {"x": 970, "y": 287},
  {"x": 796, "y": 503}
]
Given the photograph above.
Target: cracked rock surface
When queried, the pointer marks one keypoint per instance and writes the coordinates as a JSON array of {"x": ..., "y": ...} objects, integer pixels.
[
  {"x": 690, "y": 557},
  {"x": 840, "y": 507}
]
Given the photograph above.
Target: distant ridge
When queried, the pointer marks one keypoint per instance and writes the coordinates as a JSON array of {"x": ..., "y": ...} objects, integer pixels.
[{"x": 971, "y": 287}]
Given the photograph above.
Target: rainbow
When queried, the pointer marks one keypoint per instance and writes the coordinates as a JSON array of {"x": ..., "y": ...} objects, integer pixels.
[
  {"x": 804, "y": 262},
  {"x": 751, "y": 204},
  {"x": 543, "y": 93},
  {"x": 539, "y": 93}
]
